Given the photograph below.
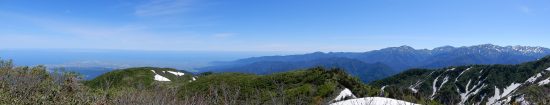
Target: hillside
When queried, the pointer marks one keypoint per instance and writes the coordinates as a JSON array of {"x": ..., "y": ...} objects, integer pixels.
[
  {"x": 387, "y": 61},
  {"x": 523, "y": 83},
  {"x": 309, "y": 86},
  {"x": 306, "y": 86},
  {"x": 141, "y": 77},
  {"x": 365, "y": 71}
]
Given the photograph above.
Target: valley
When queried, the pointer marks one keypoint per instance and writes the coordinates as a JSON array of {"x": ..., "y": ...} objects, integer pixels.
[{"x": 378, "y": 64}]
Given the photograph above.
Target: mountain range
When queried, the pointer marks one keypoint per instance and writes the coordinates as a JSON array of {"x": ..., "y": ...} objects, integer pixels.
[
  {"x": 496, "y": 84},
  {"x": 481, "y": 84},
  {"x": 377, "y": 64}
]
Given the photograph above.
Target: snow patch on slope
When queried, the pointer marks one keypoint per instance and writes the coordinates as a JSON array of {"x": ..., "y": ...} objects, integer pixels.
[
  {"x": 346, "y": 93},
  {"x": 413, "y": 90},
  {"x": 533, "y": 78},
  {"x": 452, "y": 69},
  {"x": 159, "y": 77},
  {"x": 383, "y": 87},
  {"x": 343, "y": 94},
  {"x": 437, "y": 88},
  {"x": 469, "y": 92},
  {"x": 373, "y": 101},
  {"x": 434, "y": 87},
  {"x": 413, "y": 87},
  {"x": 522, "y": 100},
  {"x": 480, "y": 74},
  {"x": 176, "y": 73},
  {"x": 544, "y": 82},
  {"x": 445, "y": 80},
  {"x": 548, "y": 69},
  {"x": 193, "y": 79},
  {"x": 504, "y": 93},
  {"x": 456, "y": 79}
]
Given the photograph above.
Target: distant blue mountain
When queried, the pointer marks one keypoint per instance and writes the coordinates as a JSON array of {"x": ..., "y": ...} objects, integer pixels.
[
  {"x": 352, "y": 66},
  {"x": 381, "y": 63}
]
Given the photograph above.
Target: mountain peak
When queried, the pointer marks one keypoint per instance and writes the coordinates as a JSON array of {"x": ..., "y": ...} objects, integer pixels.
[
  {"x": 527, "y": 49},
  {"x": 487, "y": 46},
  {"x": 444, "y": 48},
  {"x": 406, "y": 47},
  {"x": 400, "y": 48},
  {"x": 318, "y": 52}
]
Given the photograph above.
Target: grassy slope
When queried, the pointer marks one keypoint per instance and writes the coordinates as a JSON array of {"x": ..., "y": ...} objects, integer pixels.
[
  {"x": 137, "y": 86},
  {"x": 141, "y": 77},
  {"x": 315, "y": 85}
]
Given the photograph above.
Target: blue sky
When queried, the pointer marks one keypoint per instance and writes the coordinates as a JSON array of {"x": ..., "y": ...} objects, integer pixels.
[{"x": 270, "y": 25}]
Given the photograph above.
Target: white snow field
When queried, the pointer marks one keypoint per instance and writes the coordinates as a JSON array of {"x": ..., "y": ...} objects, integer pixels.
[
  {"x": 339, "y": 100},
  {"x": 544, "y": 82},
  {"x": 343, "y": 94},
  {"x": 176, "y": 73},
  {"x": 373, "y": 101},
  {"x": 159, "y": 77},
  {"x": 505, "y": 92}
]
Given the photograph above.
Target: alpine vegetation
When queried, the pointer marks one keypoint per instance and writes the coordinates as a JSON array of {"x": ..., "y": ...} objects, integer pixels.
[{"x": 524, "y": 83}]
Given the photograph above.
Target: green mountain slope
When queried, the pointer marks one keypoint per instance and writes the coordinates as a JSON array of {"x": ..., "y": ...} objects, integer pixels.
[
  {"x": 365, "y": 71},
  {"x": 150, "y": 86},
  {"x": 476, "y": 84},
  {"x": 307, "y": 86},
  {"x": 142, "y": 77},
  {"x": 315, "y": 86}
]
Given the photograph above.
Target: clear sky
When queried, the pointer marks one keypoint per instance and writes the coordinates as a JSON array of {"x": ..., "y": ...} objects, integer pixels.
[{"x": 270, "y": 25}]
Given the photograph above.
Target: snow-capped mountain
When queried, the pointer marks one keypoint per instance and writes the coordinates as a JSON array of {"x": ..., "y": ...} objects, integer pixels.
[
  {"x": 494, "y": 49},
  {"x": 396, "y": 58}
]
